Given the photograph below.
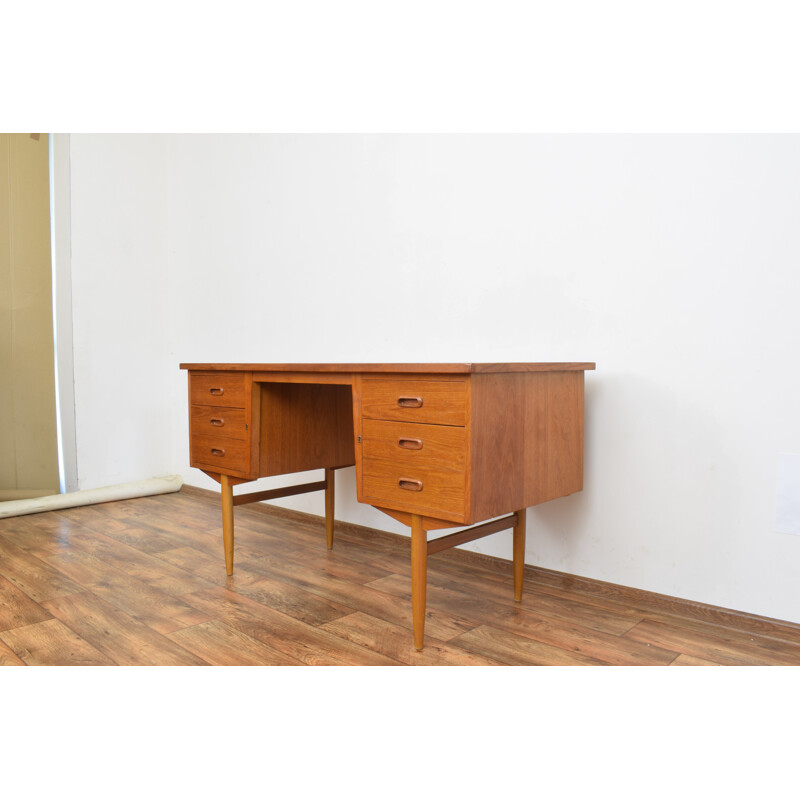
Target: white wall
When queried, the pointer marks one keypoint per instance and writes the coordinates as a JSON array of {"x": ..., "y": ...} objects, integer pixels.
[
  {"x": 671, "y": 261},
  {"x": 123, "y": 359}
]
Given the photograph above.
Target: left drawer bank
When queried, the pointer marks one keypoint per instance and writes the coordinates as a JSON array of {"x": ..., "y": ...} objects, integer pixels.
[{"x": 221, "y": 422}]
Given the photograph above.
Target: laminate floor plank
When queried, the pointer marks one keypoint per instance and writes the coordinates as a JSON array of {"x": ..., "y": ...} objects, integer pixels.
[
  {"x": 293, "y": 601},
  {"x": 141, "y": 514},
  {"x": 709, "y": 646},
  {"x": 153, "y": 533},
  {"x": 8, "y": 658},
  {"x": 155, "y": 572},
  {"x": 180, "y": 516},
  {"x": 608, "y": 648},
  {"x": 153, "y": 539},
  {"x": 777, "y": 647},
  {"x": 43, "y": 521},
  {"x": 147, "y": 604},
  {"x": 121, "y": 638},
  {"x": 372, "y": 601},
  {"x": 393, "y": 641},
  {"x": 51, "y": 643},
  {"x": 223, "y": 646},
  {"x": 206, "y": 565},
  {"x": 16, "y": 608},
  {"x": 91, "y": 517},
  {"x": 296, "y": 639},
  {"x": 32, "y": 575},
  {"x": 337, "y": 565},
  {"x": 269, "y": 591},
  {"x": 519, "y": 650},
  {"x": 690, "y": 661},
  {"x": 37, "y": 540},
  {"x": 369, "y": 549}
]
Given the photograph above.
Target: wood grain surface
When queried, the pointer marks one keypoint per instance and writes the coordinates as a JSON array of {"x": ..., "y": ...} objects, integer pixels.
[{"x": 142, "y": 582}]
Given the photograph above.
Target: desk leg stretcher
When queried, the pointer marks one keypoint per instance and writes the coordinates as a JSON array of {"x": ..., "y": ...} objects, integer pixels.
[
  {"x": 421, "y": 548},
  {"x": 229, "y": 501}
]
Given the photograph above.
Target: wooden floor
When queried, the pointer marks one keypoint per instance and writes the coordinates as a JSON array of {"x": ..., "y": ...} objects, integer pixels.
[{"x": 143, "y": 582}]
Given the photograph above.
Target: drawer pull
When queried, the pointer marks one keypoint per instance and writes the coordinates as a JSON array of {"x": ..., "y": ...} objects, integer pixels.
[
  {"x": 410, "y": 444},
  {"x": 217, "y": 391},
  {"x": 218, "y": 423},
  {"x": 409, "y": 402},
  {"x": 409, "y": 485},
  {"x": 217, "y": 451}
]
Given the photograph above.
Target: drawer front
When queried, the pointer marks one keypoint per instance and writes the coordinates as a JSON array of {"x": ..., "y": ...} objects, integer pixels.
[
  {"x": 411, "y": 444},
  {"x": 223, "y": 389},
  {"x": 426, "y": 489},
  {"x": 219, "y": 421},
  {"x": 220, "y": 454},
  {"x": 434, "y": 402}
]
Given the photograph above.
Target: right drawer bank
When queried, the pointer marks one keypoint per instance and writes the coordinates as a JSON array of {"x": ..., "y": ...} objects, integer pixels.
[{"x": 470, "y": 448}]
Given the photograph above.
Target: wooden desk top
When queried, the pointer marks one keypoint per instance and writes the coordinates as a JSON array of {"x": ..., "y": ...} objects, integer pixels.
[{"x": 457, "y": 369}]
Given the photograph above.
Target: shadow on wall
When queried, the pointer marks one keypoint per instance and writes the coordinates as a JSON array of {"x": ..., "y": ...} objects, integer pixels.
[{"x": 662, "y": 501}]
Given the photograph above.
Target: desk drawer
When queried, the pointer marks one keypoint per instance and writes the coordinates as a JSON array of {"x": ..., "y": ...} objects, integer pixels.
[
  {"x": 423, "y": 489},
  {"x": 225, "y": 389},
  {"x": 219, "y": 422},
  {"x": 220, "y": 454},
  {"x": 412, "y": 444},
  {"x": 434, "y": 402}
]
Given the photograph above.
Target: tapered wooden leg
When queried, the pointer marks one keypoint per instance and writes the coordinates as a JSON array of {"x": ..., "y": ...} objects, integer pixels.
[
  {"x": 519, "y": 554},
  {"x": 329, "y": 495},
  {"x": 227, "y": 523},
  {"x": 419, "y": 578}
]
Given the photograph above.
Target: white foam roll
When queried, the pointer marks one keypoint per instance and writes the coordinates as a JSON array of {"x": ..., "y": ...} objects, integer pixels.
[{"x": 86, "y": 497}]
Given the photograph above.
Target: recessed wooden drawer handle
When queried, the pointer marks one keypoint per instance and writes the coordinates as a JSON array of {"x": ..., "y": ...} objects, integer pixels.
[
  {"x": 409, "y": 402},
  {"x": 217, "y": 391},
  {"x": 217, "y": 422},
  {"x": 217, "y": 451},
  {"x": 410, "y": 444},
  {"x": 411, "y": 486}
]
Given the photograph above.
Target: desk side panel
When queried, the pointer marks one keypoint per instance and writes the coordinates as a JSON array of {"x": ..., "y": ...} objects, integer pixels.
[
  {"x": 497, "y": 444},
  {"x": 527, "y": 440},
  {"x": 553, "y": 436}
]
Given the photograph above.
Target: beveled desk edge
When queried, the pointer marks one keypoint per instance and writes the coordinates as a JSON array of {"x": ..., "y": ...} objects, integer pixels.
[{"x": 452, "y": 368}]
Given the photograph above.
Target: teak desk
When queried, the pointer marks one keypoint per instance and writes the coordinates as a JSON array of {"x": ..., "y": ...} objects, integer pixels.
[{"x": 434, "y": 445}]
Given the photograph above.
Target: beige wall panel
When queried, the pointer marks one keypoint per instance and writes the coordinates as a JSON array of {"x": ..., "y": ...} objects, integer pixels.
[
  {"x": 32, "y": 374},
  {"x": 8, "y": 470}
]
